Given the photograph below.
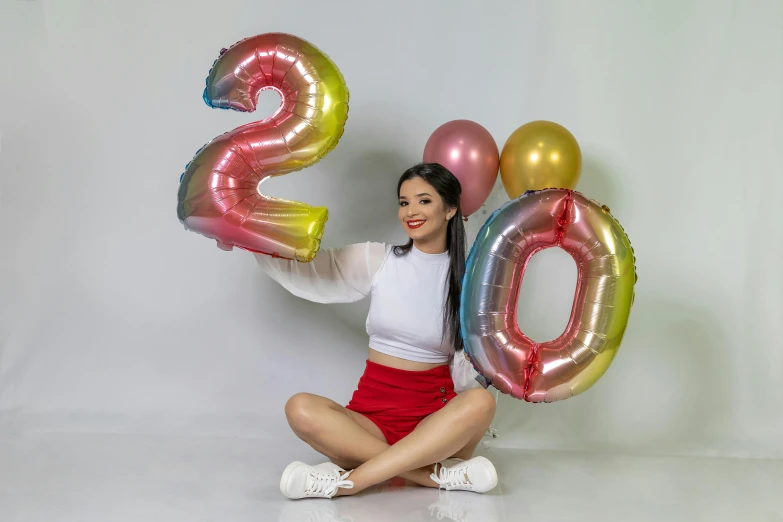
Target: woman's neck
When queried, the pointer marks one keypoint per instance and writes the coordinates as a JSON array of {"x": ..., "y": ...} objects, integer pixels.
[{"x": 431, "y": 247}]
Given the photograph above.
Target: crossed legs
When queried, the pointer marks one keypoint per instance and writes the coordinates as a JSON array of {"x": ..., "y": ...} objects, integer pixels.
[{"x": 352, "y": 441}]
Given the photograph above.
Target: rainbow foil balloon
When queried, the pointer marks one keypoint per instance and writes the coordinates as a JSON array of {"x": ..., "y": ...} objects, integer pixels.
[
  {"x": 219, "y": 194},
  {"x": 570, "y": 364}
]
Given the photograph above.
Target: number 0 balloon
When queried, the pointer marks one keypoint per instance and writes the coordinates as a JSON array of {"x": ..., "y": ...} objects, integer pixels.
[
  {"x": 573, "y": 362},
  {"x": 219, "y": 193}
]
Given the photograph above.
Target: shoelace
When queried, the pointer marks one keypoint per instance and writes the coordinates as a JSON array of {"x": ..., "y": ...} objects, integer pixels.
[
  {"x": 450, "y": 478},
  {"x": 326, "y": 484}
]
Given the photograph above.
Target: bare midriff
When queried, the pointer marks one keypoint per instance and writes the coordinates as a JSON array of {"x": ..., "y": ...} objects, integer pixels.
[{"x": 401, "y": 364}]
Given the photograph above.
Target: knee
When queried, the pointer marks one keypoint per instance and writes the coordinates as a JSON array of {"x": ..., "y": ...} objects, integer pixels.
[
  {"x": 300, "y": 411},
  {"x": 479, "y": 405}
]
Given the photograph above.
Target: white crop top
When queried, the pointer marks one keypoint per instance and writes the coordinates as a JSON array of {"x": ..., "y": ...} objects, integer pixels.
[{"x": 408, "y": 293}]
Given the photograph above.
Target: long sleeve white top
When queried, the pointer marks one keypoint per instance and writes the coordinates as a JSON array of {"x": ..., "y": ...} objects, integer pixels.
[{"x": 407, "y": 293}]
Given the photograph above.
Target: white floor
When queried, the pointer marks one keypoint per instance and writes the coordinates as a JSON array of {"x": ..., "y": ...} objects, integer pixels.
[{"x": 116, "y": 478}]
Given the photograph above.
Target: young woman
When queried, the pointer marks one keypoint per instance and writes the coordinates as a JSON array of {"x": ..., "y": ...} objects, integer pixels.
[{"x": 405, "y": 418}]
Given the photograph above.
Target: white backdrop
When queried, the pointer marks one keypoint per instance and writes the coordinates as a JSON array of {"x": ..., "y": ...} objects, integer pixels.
[{"x": 115, "y": 319}]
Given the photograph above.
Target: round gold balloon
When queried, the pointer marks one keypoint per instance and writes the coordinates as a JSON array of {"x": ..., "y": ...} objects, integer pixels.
[{"x": 539, "y": 155}]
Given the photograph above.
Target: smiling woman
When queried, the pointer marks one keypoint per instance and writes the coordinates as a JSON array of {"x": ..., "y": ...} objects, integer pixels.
[
  {"x": 406, "y": 418},
  {"x": 432, "y": 229},
  {"x": 413, "y": 208}
]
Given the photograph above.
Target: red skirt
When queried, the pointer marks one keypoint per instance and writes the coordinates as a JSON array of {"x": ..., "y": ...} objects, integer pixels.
[{"x": 398, "y": 400}]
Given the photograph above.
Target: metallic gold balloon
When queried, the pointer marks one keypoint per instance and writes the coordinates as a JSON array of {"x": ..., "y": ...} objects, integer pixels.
[
  {"x": 219, "y": 194},
  {"x": 539, "y": 155},
  {"x": 570, "y": 364}
]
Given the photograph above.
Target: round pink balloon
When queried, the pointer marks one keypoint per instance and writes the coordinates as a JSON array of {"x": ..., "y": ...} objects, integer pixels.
[{"x": 468, "y": 150}]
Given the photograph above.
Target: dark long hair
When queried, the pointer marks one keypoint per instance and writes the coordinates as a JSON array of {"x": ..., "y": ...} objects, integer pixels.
[{"x": 449, "y": 189}]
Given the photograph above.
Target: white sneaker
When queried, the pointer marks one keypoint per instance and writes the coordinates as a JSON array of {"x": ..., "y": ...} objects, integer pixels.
[
  {"x": 301, "y": 480},
  {"x": 329, "y": 466},
  {"x": 476, "y": 474}
]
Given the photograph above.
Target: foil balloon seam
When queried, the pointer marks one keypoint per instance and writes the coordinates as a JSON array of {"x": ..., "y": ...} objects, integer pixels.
[
  {"x": 562, "y": 219},
  {"x": 530, "y": 368}
]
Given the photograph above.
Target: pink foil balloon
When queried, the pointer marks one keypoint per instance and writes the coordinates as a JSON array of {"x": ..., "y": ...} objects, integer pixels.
[{"x": 468, "y": 150}]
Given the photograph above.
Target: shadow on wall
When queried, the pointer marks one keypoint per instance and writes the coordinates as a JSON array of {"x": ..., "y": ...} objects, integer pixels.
[
  {"x": 369, "y": 180},
  {"x": 598, "y": 179},
  {"x": 368, "y": 211},
  {"x": 668, "y": 391}
]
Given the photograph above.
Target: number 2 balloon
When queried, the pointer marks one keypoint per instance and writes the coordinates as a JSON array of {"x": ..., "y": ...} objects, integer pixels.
[{"x": 219, "y": 194}]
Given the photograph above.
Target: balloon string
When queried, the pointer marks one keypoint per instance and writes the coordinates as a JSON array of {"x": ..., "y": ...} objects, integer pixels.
[{"x": 492, "y": 432}]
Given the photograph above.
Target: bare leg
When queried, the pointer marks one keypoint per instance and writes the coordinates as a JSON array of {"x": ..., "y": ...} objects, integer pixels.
[
  {"x": 448, "y": 432},
  {"x": 345, "y": 437}
]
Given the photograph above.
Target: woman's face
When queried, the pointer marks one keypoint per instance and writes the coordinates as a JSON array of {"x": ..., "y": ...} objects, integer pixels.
[{"x": 421, "y": 211}]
